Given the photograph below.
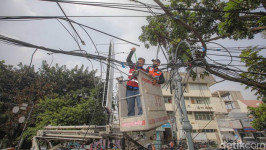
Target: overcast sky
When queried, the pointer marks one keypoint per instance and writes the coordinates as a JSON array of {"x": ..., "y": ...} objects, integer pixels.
[{"x": 51, "y": 34}]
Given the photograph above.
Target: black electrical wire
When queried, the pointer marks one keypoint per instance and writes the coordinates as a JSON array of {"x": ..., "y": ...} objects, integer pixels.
[
  {"x": 227, "y": 60},
  {"x": 69, "y": 33},
  {"x": 111, "y": 4},
  {"x": 116, "y": 7},
  {"x": 93, "y": 45},
  {"x": 146, "y": 6},
  {"x": 239, "y": 70},
  {"x": 70, "y": 23},
  {"x": 56, "y": 51},
  {"x": 90, "y": 39},
  {"x": 240, "y": 48},
  {"x": 226, "y": 50},
  {"x": 217, "y": 11},
  {"x": 25, "y": 44},
  {"x": 215, "y": 50},
  {"x": 31, "y": 18},
  {"x": 237, "y": 56},
  {"x": 102, "y": 32}
]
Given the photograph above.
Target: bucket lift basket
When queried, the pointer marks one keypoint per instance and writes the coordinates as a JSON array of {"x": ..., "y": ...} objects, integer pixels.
[{"x": 153, "y": 107}]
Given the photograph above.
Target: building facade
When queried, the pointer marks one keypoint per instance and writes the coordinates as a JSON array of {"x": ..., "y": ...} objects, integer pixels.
[
  {"x": 235, "y": 125},
  {"x": 217, "y": 116},
  {"x": 201, "y": 108}
]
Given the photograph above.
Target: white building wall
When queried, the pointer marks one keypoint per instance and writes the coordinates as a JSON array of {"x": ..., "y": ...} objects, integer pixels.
[
  {"x": 219, "y": 105},
  {"x": 243, "y": 107}
]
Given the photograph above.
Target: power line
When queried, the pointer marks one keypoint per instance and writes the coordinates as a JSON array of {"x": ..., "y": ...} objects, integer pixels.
[
  {"x": 25, "y": 44},
  {"x": 99, "y": 5},
  {"x": 29, "y": 18},
  {"x": 129, "y": 7},
  {"x": 102, "y": 32},
  {"x": 217, "y": 11},
  {"x": 71, "y": 24},
  {"x": 226, "y": 50},
  {"x": 69, "y": 33},
  {"x": 237, "y": 56}
]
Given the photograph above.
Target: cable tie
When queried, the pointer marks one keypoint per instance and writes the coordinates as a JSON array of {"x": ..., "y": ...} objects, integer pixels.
[
  {"x": 218, "y": 49},
  {"x": 123, "y": 65}
]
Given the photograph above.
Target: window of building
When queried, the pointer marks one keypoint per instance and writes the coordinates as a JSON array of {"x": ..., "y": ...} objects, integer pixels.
[
  {"x": 201, "y": 100},
  {"x": 203, "y": 115},
  {"x": 208, "y": 130},
  {"x": 167, "y": 99},
  {"x": 198, "y": 86}
]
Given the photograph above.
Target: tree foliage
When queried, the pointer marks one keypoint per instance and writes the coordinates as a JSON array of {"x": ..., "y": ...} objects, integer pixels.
[
  {"x": 256, "y": 69},
  {"x": 75, "y": 108},
  {"x": 62, "y": 97},
  {"x": 259, "y": 113},
  {"x": 212, "y": 19}
]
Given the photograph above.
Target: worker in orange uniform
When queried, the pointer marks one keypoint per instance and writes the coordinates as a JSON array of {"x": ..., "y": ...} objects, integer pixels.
[{"x": 155, "y": 72}]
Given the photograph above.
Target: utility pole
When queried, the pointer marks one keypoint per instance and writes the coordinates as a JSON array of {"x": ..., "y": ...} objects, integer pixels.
[
  {"x": 108, "y": 89},
  {"x": 108, "y": 86},
  {"x": 179, "y": 100}
]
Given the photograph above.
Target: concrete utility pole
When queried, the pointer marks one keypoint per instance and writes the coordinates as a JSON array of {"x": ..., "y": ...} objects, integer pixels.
[
  {"x": 179, "y": 99},
  {"x": 108, "y": 87}
]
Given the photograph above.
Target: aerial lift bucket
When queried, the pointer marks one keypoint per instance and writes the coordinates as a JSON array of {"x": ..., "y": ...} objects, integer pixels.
[{"x": 154, "y": 113}]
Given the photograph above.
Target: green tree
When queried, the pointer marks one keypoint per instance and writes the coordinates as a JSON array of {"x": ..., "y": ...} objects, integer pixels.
[
  {"x": 259, "y": 113},
  {"x": 256, "y": 70},
  {"x": 205, "y": 21},
  {"x": 75, "y": 88},
  {"x": 17, "y": 86},
  {"x": 222, "y": 19},
  {"x": 208, "y": 20},
  {"x": 75, "y": 108}
]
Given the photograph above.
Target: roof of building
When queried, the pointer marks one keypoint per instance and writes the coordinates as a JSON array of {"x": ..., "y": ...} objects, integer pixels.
[{"x": 251, "y": 103}]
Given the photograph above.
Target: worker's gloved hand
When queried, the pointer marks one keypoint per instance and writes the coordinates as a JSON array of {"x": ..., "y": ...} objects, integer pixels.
[
  {"x": 150, "y": 74},
  {"x": 133, "y": 49},
  {"x": 154, "y": 82}
]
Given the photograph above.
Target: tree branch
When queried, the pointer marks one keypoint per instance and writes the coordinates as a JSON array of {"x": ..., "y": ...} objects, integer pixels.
[
  {"x": 246, "y": 82},
  {"x": 258, "y": 28},
  {"x": 179, "y": 21}
]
